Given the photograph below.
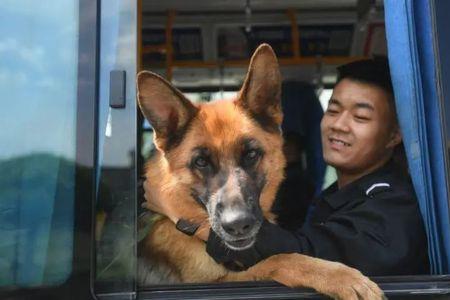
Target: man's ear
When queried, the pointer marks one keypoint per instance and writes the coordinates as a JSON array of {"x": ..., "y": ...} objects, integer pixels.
[
  {"x": 260, "y": 95},
  {"x": 165, "y": 107},
  {"x": 395, "y": 138}
]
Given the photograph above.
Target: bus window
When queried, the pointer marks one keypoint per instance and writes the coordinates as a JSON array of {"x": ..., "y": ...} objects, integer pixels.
[
  {"x": 48, "y": 87},
  {"x": 38, "y": 81}
]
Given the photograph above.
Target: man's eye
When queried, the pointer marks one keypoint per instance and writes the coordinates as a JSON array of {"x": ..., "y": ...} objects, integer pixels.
[
  {"x": 331, "y": 111},
  {"x": 201, "y": 162},
  {"x": 362, "y": 118}
]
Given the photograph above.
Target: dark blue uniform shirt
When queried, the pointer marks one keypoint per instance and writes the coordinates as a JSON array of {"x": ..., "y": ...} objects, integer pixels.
[{"x": 372, "y": 224}]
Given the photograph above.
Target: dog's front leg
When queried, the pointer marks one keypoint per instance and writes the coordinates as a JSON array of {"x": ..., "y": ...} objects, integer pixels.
[{"x": 296, "y": 270}]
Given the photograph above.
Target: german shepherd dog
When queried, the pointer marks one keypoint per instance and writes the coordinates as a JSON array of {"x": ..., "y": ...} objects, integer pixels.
[{"x": 222, "y": 162}]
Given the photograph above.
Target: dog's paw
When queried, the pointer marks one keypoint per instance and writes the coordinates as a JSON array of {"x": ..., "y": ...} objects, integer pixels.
[
  {"x": 330, "y": 278},
  {"x": 346, "y": 283}
]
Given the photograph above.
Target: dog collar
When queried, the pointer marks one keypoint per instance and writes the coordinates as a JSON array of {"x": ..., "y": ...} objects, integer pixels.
[{"x": 186, "y": 227}]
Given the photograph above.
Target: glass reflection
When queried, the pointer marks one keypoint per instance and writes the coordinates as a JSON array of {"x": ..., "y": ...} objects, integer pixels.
[
  {"x": 116, "y": 199},
  {"x": 38, "y": 84}
]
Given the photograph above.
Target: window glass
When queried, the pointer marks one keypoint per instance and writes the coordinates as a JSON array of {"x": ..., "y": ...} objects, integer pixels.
[
  {"x": 324, "y": 97},
  {"x": 187, "y": 44},
  {"x": 235, "y": 42},
  {"x": 116, "y": 198},
  {"x": 210, "y": 96},
  {"x": 327, "y": 40},
  {"x": 38, "y": 84}
]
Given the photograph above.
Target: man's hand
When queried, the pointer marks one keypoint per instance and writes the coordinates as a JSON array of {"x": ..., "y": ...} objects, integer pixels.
[{"x": 155, "y": 202}]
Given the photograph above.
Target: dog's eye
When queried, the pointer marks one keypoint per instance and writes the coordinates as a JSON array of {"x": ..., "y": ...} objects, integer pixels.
[
  {"x": 251, "y": 155},
  {"x": 201, "y": 162}
]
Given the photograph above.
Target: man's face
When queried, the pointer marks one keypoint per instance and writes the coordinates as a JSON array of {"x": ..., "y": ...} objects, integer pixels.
[{"x": 358, "y": 128}]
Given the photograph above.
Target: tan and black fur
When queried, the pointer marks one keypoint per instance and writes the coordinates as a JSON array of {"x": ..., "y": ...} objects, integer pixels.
[{"x": 222, "y": 163}]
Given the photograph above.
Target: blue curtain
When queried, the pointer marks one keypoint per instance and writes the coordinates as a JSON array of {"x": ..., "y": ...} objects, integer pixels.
[{"x": 413, "y": 69}]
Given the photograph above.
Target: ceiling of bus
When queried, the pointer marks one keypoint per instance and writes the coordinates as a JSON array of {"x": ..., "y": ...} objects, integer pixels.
[
  {"x": 155, "y": 6},
  {"x": 210, "y": 15}
]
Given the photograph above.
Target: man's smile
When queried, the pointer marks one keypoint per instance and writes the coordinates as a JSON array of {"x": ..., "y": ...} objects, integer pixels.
[{"x": 338, "y": 144}]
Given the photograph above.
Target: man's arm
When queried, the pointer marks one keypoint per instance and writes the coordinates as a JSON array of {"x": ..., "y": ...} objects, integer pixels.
[
  {"x": 271, "y": 240},
  {"x": 375, "y": 237}
]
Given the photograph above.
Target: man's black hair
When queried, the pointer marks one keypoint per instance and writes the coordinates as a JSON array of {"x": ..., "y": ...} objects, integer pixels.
[{"x": 372, "y": 71}]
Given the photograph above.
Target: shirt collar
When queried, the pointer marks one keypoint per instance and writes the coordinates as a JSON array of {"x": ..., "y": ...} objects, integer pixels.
[{"x": 336, "y": 197}]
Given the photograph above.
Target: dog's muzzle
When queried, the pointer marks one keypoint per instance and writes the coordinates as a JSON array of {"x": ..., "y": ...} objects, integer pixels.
[{"x": 238, "y": 228}]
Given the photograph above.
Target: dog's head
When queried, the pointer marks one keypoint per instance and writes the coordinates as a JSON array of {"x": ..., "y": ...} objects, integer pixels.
[{"x": 226, "y": 155}]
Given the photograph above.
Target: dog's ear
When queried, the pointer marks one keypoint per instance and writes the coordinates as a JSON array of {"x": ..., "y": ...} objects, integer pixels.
[
  {"x": 261, "y": 92},
  {"x": 165, "y": 107}
]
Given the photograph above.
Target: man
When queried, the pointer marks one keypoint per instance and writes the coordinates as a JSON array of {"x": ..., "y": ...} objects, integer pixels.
[{"x": 369, "y": 219}]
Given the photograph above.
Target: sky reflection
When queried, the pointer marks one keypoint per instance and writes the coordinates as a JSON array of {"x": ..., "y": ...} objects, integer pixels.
[{"x": 38, "y": 77}]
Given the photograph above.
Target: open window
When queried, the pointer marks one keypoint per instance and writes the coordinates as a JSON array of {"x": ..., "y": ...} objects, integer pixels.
[{"x": 204, "y": 50}]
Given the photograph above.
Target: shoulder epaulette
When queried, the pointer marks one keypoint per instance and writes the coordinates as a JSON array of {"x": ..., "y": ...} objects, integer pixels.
[{"x": 377, "y": 188}]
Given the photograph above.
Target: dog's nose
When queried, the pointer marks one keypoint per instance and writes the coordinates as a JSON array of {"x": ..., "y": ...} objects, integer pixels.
[{"x": 239, "y": 227}]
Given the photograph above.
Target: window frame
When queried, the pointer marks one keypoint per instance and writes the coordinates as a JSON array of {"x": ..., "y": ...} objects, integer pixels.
[
  {"x": 395, "y": 287},
  {"x": 443, "y": 72}
]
